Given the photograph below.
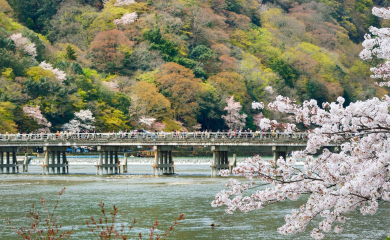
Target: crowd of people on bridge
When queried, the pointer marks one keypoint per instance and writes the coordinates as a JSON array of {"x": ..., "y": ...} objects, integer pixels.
[{"x": 276, "y": 134}]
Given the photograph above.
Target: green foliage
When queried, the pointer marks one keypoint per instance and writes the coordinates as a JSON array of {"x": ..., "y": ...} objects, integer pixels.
[
  {"x": 7, "y": 118},
  {"x": 38, "y": 11},
  {"x": 167, "y": 48},
  {"x": 318, "y": 91},
  {"x": 8, "y": 23},
  {"x": 288, "y": 74},
  {"x": 202, "y": 53},
  {"x": 70, "y": 53}
]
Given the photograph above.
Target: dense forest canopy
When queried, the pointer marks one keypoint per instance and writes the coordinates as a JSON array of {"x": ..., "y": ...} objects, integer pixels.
[{"x": 176, "y": 61}]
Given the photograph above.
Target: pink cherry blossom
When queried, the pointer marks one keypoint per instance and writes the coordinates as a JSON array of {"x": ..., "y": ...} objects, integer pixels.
[
  {"x": 36, "y": 114},
  {"x": 356, "y": 176},
  {"x": 233, "y": 119}
]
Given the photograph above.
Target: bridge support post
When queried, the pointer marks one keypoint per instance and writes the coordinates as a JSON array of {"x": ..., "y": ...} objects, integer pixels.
[
  {"x": 110, "y": 163},
  {"x": 220, "y": 159},
  {"x": 53, "y": 160},
  {"x": 279, "y": 151},
  {"x": 99, "y": 165},
  {"x": 125, "y": 164},
  {"x": 8, "y": 163},
  {"x": 233, "y": 164},
  {"x": 163, "y": 163},
  {"x": 25, "y": 163}
]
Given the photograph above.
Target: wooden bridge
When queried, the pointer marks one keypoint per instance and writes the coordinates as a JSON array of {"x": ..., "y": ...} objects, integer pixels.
[{"x": 109, "y": 144}]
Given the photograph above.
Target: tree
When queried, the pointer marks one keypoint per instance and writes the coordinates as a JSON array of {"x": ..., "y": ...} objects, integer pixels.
[
  {"x": 59, "y": 75},
  {"x": 70, "y": 53},
  {"x": 229, "y": 83},
  {"x": 180, "y": 86},
  {"x": 147, "y": 121},
  {"x": 109, "y": 49},
  {"x": 7, "y": 117},
  {"x": 24, "y": 44},
  {"x": 146, "y": 100},
  {"x": 356, "y": 177},
  {"x": 83, "y": 120},
  {"x": 36, "y": 114},
  {"x": 234, "y": 120},
  {"x": 126, "y": 19}
]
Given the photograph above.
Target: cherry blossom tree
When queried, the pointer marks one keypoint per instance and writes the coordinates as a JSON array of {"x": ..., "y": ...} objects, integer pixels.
[
  {"x": 36, "y": 114},
  {"x": 233, "y": 119},
  {"x": 83, "y": 120},
  {"x": 148, "y": 121},
  {"x": 120, "y": 3},
  {"x": 114, "y": 86},
  {"x": 355, "y": 178},
  {"x": 126, "y": 19},
  {"x": 60, "y": 75},
  {"x": 159, "y": 126},
  {"x": 24, "y": 44}
]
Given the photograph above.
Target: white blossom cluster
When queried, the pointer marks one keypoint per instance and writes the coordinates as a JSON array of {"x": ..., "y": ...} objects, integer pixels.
[
  {"x": 378, "y": 45},
  {"x": 356, "y": 177},
  {"x": 24, "y": 44},
  {"x": 114, "y": 86},
  {"x": 257, "y": 105},
  {"x": 83, "y": 120},
  {"x": 147, "y": 120},
  {"x": 36, "y": 114},
  {"x": 233, "y": 119},
  {"x": 126, "y": 19},
  {"x": 60, "y": 75},
  {"x": 120, "y": 3},
  {"x": 269, "y": 89}
]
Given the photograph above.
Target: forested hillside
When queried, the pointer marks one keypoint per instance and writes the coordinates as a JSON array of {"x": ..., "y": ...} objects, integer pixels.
[{"x": 176, "y": 60}]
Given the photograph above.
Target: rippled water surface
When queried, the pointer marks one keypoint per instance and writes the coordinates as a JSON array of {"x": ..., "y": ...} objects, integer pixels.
[{"x": 139, "y": 195}]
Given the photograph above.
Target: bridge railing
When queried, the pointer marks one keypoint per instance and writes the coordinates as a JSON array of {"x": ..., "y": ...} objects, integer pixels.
[{"x": 153, "y": 135}]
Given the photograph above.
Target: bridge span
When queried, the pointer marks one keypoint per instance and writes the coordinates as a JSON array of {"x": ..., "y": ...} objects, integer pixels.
[{"x": 108, "y": 145}]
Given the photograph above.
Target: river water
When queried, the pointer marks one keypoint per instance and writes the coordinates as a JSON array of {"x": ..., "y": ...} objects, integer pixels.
[{"x": 147, "y": 198}]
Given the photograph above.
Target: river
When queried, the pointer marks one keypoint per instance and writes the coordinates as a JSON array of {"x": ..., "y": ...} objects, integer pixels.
[{"x": 139, "y": 195}]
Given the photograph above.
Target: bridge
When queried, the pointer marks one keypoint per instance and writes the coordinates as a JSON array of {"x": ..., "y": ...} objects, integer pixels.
[{"x": 109, "y": 144}]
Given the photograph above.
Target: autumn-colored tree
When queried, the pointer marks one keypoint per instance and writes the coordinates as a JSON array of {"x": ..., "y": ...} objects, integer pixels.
[
  {"x": 181, "y": 87},
  {"x": 108, "y": 50},
  {"x": 229, "y": 83},
  {"x": 5, "y": 7},
  {"x": 147, "y": 101}
]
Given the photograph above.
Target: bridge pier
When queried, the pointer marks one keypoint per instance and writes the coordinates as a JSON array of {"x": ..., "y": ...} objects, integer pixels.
[
  {"x": 220, "y": 159},
  {"x": 53, "y": 162},
  {"x": 163, "y": 163},
  {"x": 6, "y": 162},
  {"x": 108, "y": 160},
  {"x": 125, "y": 163},
  {"x": 279, "y": 151}
]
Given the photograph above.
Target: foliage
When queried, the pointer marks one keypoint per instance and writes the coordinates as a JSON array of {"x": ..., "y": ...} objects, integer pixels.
[
  {"x": 7, "y": 118},
  {"x": 300, "y": 49},
  {"x": 108, "y": 50},
  {"x": 70, "y": 53},
  {"x": 179, "y": 85}
]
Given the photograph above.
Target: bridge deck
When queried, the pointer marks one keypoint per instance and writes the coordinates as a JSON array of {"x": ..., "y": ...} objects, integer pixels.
[{"x": 158, "y": 139}]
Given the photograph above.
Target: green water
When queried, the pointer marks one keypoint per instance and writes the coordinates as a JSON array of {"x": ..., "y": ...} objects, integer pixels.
[{"x": 158, "y": 198}]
